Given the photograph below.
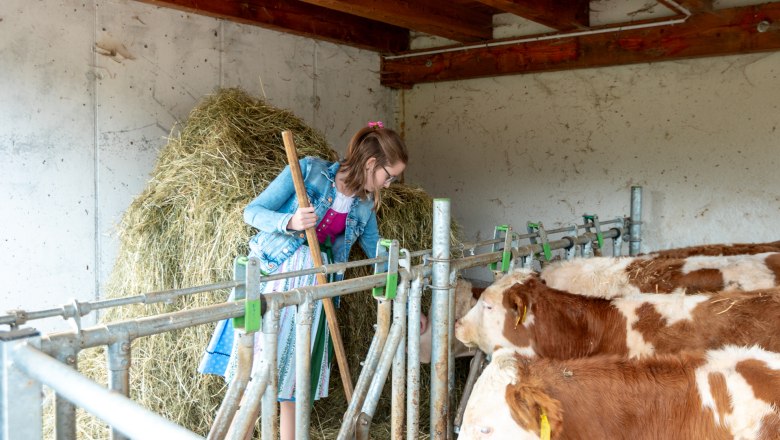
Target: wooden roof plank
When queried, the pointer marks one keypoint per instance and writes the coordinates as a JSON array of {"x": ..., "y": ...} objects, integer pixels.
[
  {"x": 435, "y": 17},
  {"x": 301, "y": 19},
  {"x": 719, "y": 33},
  {"x": 557, "y": 14}
]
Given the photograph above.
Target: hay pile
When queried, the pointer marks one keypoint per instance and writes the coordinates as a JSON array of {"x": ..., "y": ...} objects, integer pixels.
[{"x": 186, "y": 228}]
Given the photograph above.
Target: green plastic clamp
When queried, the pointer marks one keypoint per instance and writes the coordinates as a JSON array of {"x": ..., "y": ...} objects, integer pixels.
[
  {"x": 253, "y": 315},
  {"x": 389, "y": 291},
  {"x": 594, "y": 220},
  {"x": 506, "y": 256},
  {"x": 538, "y": 228}
]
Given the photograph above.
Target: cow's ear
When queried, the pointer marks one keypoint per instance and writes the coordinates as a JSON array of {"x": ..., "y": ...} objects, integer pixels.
[
  {"x": 531, "y": 407},
  {"x": 516, "y": 298}
]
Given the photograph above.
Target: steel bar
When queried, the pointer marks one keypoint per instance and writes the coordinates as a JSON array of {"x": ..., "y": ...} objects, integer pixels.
[
  {"x": 244, "y": 353},
  {"x": 64, "y": 410},
  {"x": 118, "y": 411},
  {"x": 398, "y": 401},
  {"x": 635, "y": 228},
  {"x": 20, "y": 397},
  {"x": 413, "y": 360},
  {"x": 381, "y": 333},
  {"x": 118, "y": 359},
  {"x": 440, "y": 275},
  {"x": 303, "y": 396},
  {"x": 261, "y": 384}
]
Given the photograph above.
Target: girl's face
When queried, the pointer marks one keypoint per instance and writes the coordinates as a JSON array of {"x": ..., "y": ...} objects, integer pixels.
[{"x": 383, "y": 175}]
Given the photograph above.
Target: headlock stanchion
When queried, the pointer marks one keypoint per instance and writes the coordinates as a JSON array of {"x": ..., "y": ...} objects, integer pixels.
[{"x": 396, "y": 284}]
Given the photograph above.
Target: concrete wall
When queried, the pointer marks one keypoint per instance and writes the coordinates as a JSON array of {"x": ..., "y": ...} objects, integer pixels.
[
  {"x": 700, "y": 136},
  {"x": 88, "y": 93}
]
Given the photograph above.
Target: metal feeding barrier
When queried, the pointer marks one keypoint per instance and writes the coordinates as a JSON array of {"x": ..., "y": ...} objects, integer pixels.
[{"x": 30, "y": 360}]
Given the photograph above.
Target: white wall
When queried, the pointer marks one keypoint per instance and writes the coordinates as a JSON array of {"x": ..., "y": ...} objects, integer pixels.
[
  {"x": 80, "y": 128},
  {"x": 701, "y": 136}
]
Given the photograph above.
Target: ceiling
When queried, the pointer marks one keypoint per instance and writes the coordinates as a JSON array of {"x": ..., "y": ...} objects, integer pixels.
[{"x": 468, "y": 48}]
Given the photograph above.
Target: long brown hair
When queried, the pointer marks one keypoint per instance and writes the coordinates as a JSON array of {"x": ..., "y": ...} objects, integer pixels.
[{"x": 381, "y": 143}]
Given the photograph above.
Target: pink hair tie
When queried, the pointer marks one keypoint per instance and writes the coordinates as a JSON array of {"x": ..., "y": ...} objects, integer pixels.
[{"x": 375, "y": 125}]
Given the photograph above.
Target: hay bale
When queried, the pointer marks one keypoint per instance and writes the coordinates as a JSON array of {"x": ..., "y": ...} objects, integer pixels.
[{"x": 186, "y": 228}]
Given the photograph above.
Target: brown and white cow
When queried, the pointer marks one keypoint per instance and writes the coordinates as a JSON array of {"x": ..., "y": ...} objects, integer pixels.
[
  {"x": 521, "y": 312},
  {"x": 611, "y": 277},
  {"x": 718, "y": 249},
  {"x": 729, "y": 393},
  {"x": 465, "y": 298}
]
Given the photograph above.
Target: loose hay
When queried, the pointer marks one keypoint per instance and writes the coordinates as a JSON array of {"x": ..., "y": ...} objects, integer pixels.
[{"x": 186, "y": 228}]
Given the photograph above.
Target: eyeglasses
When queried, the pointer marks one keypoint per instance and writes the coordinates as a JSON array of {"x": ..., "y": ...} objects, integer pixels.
[{"x": 390, "y": 178}]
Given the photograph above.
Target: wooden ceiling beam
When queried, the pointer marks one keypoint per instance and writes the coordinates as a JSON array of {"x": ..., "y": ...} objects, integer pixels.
[
  {"x": 435, "y": 17},
  {"x": 718, "y": 33},
  {"x": 558, "y": 14},
  {"x": 302, "y": 19}
]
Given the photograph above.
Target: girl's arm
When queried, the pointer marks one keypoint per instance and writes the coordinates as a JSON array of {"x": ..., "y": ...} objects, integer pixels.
[
  {"x": 263, "y": 212},
  {"x": 370, "y": 236}
]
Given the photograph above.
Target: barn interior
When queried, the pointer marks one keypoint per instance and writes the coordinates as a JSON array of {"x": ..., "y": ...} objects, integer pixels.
[{"x": 515, "y": 111}]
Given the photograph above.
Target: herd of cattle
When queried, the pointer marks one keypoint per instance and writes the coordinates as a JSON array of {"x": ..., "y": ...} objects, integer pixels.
[{"x": 679, "y": 344}]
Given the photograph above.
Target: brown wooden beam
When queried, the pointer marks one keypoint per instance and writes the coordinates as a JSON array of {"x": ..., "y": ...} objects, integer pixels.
[
  {"x": 557, "y": 14},
  {"x": 301, "y": 19},
  {"x": 718, "y": 33},
  {"x": 435, "y": 17}
]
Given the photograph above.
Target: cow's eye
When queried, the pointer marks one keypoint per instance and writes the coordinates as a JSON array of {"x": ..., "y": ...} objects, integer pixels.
[
  {"x": 487, "y": 306},
  {"x": 485, "y": 430}
]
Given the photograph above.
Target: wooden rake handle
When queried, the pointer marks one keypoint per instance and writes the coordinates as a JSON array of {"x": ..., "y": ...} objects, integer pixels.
[{"x": 314, "y": 246}]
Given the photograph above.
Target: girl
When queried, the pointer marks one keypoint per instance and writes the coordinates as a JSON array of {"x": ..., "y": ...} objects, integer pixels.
[{"x": 344, "y": 198}]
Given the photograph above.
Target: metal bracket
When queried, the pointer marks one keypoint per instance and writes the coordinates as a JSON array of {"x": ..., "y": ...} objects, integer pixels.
[
  {"x": 538, "y": 229},
  {"x": 248, "y": 270},
  {"x": 389, "y": 248},
  {"x": 506, "y": 257},
  {"x": 593, "y": 221}
]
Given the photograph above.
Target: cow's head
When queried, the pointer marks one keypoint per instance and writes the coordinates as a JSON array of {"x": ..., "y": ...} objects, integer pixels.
[
  {"x": 502, "y": 407},
  {"x": 502, "y": 316}
]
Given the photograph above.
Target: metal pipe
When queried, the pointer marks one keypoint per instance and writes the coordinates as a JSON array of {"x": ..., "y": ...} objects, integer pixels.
[
  {"x": 64, "y": 410},
  {"x": 413, "y": 360},
  {"x": 118, "y": 359},
  {"x": 348, "y": 423},
  {"x": 439, "y": 317},
  {"x": 476, "y": 366},
  {"x": 554, "y": 36},
  {"x": 118, "y": 411},
  {"x": 262, "y": 383},
  {"x": 269, "y": 425},
  {"x": 244, "y": 353},
  {"x": 635, "y": 230},
  {"x": 383, "y": 367},
  {"x": 303, "y": 369},
  {"x": 20, "y": 398},
  {"x": 450, "y": 354},
  {"x": 109, "y": 333},
  {"x": 398, "y": 401}
]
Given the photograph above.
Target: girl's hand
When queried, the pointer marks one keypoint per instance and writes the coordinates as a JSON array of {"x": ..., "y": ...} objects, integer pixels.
[{"x": 304, "y": 218}]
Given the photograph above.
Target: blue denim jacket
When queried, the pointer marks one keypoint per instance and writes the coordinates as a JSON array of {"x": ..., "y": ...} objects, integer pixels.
[{"x": 272, "y": 209}]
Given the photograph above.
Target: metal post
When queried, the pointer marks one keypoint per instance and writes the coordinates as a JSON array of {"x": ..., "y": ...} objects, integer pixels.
[
  {"x": 440, "y": 274},
  {"x": 118, "y": 355},
  {"x": 635, "y": 231},
  {"x": 118, "y": 411},
  {"x": 64, "y": 410},
  {"x": 413, "y": 361},
  {"x": 269, "y": 425},
  {"x": 303, "y": 368},
  {"x": 398, "y": 410},
  {"x": 245, "y": 354},
  {"x": 382, "y": 329},
  {"x": 20, "y": 412},
  {"x": 451, "y": 354}
]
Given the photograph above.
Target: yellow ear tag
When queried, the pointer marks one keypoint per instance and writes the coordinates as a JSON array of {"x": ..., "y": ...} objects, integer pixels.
[
  {"x": 544, "y": 431},
  {"x": 520, "y": 319}
]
